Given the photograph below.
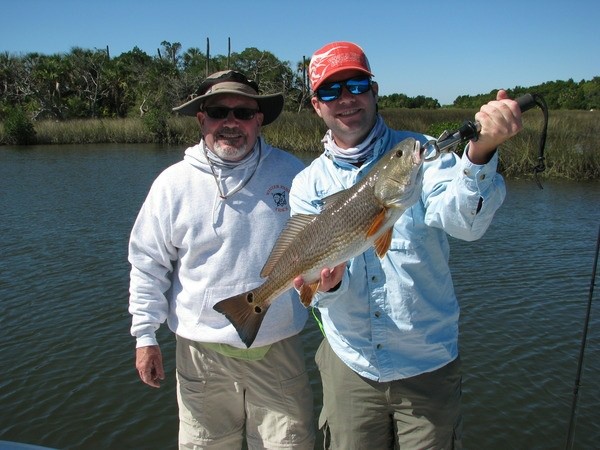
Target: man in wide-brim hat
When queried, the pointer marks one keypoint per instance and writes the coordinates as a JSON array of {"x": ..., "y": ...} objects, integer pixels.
[
  {"x": 232, "y": 82},
  {"x": 203, "y": 234}
]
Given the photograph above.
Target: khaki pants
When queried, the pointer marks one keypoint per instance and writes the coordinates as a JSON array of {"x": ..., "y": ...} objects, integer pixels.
[
  {"x": 222, "y": 398},
  {"x": 421, "y": 412}
]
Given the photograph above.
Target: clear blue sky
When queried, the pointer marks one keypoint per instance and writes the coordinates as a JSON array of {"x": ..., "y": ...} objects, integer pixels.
[{"x": 436, "y": 48}]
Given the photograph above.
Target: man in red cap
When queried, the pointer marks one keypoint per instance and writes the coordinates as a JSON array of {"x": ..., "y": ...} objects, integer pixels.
[
  {"x": 389, "y": 364},
  {"x": 203, "y": 233}
]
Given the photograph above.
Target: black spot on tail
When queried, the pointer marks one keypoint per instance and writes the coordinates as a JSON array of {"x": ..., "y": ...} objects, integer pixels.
[{"x": 245, "y": 315}]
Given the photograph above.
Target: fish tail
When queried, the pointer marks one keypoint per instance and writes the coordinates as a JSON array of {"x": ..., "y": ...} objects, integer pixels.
[{"x": 244, "y": 313}]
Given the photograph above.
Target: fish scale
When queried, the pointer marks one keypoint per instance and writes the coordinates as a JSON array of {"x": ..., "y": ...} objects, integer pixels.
[
  {"x": 351, "y": 221},
  {"x": 325, "y": 244}
]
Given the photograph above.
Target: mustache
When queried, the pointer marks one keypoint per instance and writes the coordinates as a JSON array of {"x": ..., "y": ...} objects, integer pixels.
[{"x": 230, "y": 130}]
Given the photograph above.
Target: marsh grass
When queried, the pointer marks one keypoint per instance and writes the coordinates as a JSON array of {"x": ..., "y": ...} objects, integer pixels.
[
  {"x": 88, "y": 131},
  {"x": 572, "y": 149},
  {"x": 572, "y": 145}
]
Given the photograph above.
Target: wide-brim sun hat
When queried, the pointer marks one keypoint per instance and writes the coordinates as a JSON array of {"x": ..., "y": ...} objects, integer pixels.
[
  {"x": 336, "y": 57},
  {"x": 233, "y": 82}
]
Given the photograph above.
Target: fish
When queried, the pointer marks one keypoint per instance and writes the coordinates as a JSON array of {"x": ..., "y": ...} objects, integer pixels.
[{"x": 350, "y": 222}]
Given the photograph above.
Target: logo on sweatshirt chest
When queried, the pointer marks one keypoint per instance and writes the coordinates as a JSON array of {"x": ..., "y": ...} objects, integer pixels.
[{"x": 278, "y": 196}]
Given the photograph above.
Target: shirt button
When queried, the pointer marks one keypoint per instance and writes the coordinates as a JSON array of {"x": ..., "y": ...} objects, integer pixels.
[
  {"x": 482, "y": 177},
  {"x": 379, "y": 346},
  {"x": 377, "y": 314},
  {"x": 467, "y": 172},
  {"x": 373, "y": 278}
]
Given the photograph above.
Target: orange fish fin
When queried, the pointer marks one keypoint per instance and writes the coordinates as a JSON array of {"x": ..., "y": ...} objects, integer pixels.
[
  {"x": 245, "y": 315},
  {"x": 307, "y": 292},
  {"x": 377, "y": 223},
  {"x": 383, "y": 242},
  {"x": 293, "y": 227}
]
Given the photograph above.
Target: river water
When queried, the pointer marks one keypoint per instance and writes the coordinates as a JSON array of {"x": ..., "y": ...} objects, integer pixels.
[{"x": 67, "y": 359}]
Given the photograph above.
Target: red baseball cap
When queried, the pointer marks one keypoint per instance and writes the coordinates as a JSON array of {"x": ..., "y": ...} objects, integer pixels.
[{"x": 334, "y": 58}]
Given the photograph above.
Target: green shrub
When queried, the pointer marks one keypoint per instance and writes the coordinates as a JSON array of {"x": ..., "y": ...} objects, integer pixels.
[
  {"x": 156, "y": 122},
  {"x": 18, "y": 128}
]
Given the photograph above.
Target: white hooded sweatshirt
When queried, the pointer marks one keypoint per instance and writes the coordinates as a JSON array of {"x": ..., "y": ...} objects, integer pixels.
[{"x": 190, "y": 248}]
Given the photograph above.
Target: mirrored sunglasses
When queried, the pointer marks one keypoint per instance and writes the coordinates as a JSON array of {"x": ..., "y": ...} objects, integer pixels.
[
  {"x": 331, "y": 91},
  {"x": 221, "y": 112}
]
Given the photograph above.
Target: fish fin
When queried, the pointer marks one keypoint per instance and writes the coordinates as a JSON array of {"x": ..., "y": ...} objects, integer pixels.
[
  {"x": 383, "y": 242},
  {"x": 307, "y": 292},
  {"x": 377, "y": 223},
  {"x": 293, "y": 227},
  {"x": 245, "y": 315}
]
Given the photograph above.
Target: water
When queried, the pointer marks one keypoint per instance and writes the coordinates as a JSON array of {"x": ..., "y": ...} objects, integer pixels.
[{"x": 68, "y": 378}]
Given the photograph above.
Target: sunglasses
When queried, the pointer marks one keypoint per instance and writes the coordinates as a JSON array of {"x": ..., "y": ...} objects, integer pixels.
[
  {"x": 331, "y": 91},
  {"x": 221, "y": 112}
]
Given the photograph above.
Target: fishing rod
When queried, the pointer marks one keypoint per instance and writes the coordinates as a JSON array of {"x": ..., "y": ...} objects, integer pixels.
[
  {"x": 470, "y": 131},
  {"x": 571, "y": 433}
]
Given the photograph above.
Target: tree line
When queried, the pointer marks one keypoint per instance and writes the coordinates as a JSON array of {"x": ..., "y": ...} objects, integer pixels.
[{"x": 90, "y": 84}]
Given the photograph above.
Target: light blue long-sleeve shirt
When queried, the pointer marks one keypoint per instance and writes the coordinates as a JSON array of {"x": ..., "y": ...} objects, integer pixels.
[{"x": 397, "y": 317}]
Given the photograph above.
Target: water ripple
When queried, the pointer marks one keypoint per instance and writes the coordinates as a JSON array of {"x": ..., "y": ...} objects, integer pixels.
[{"x": 68, "y": 360}]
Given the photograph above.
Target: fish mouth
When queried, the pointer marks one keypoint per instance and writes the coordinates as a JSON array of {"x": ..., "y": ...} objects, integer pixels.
[
  {"x": 416, "y": 177},
  {"x": 414, "y": 181},
  {"x": 418, "y": 152}
]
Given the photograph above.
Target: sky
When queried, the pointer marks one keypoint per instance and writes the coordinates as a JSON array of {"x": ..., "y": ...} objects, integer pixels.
[{"x": 439, "y": 49}]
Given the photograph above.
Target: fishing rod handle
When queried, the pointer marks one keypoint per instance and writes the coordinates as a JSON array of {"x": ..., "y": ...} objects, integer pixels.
[
  {"x": 526, "y": 102},
  {"x": 470, "y": 130}
]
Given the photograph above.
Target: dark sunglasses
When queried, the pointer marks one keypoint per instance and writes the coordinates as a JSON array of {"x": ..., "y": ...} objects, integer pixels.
[
  {"x": 331, "y": 91},
  {"x": 221, "y": 112}
]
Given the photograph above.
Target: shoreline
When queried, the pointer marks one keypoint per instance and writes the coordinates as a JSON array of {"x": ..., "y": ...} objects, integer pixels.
[{"x": 571, "y": 152}]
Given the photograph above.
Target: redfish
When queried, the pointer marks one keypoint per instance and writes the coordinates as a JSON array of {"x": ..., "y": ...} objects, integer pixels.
[{"x": 350, "y": 222}]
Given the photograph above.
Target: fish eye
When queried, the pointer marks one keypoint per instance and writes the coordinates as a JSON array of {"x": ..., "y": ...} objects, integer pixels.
[{"x": 398, "y": 153}]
